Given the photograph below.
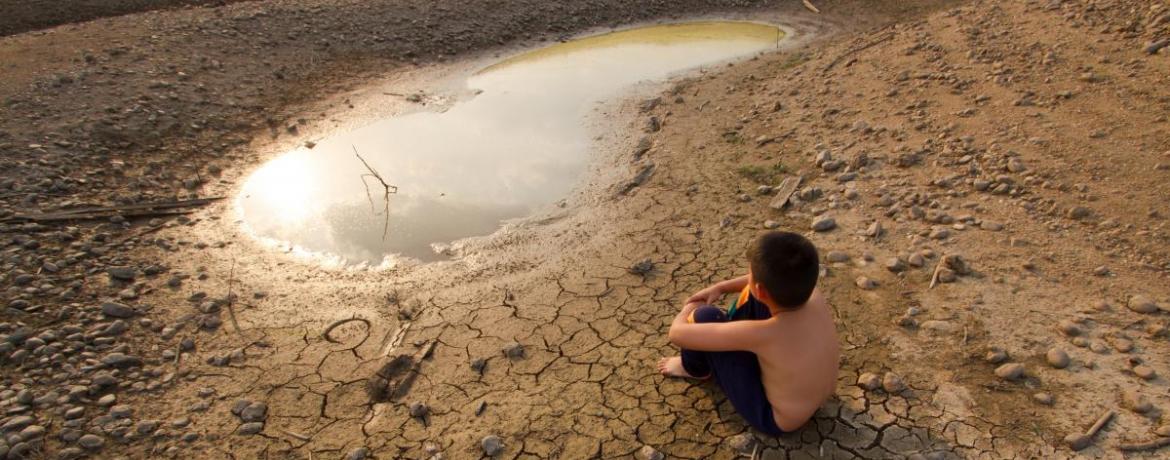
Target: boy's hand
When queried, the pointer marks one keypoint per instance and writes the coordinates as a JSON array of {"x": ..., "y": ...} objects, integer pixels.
[{"x": 707, "y": 296}]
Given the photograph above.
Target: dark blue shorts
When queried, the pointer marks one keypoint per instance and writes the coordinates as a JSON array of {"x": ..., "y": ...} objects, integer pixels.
[{"x": 736, "y": 372}]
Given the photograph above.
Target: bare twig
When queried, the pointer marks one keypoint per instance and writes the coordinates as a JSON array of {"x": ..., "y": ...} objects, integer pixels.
[
  {"x": 811, "y": 7},
  {"x": 875, "y": 42},
  {"x": 231, "y": 300},
  {"x": 387, "y": 189},
  {"x": 942, "y": 262},
  {"x": 102, "y": 212},
  {"x": 296, "y": 435},
  {"x": 1148, "y": 445}
]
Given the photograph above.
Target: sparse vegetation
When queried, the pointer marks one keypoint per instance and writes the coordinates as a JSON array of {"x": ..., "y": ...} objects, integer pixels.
[{"x": 765, "y": 175}]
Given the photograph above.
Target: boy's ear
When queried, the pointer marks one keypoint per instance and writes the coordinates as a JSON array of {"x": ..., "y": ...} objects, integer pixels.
[{"x": 761, "y": 293}]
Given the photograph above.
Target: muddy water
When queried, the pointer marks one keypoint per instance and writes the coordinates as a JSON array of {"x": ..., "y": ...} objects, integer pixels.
[{"x": 519, "y": 144}]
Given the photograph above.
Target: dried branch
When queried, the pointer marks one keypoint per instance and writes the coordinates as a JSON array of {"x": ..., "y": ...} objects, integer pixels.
[{"x": 387, "y": 191}]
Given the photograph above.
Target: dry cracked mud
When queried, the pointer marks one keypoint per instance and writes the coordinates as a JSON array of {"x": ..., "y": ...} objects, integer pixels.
[{"x": 1014, "y": 151}]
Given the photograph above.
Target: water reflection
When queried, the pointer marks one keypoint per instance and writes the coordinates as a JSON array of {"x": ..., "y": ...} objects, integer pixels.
[{"x": 519, "y": 144}]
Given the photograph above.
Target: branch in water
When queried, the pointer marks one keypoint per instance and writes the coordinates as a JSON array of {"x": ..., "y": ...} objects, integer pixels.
[{"x": 387, "y": 189}]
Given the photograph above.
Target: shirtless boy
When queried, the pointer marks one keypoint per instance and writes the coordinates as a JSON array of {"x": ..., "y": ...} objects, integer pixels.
[{"x": 774, "y": 352}]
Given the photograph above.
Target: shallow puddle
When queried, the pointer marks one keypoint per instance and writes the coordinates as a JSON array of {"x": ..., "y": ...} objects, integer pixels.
[{"x": 521, "y": 143}]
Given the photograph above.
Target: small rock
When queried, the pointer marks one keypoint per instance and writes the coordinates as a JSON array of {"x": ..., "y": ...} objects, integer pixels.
[
  {"x": 869, "y": 381},
  {"x": 742, "y": 443},
  {"x": 824, "y": 224},
  {"x": 514, "y": 350},
  {"x": 1163, "y": 431},
  {"x": 418, "y": 410},
  {"x": 995, "y": 356},
  {"x": 895, "y": 264},
  {"x": 1070, "y": 328},
  {"x": 359, "y": 453},
  {"x": 771, "y": 224},
  {"x": 121, "y": 273},
  {"x": 91, "y": 442},
  {"x": 1010, "y": 371},
  {"x": 1057, "y": 358},
  {"x": 107, "y": 400},
  {"x": 1142, "y": 304},
  {"x": 492, "y": 445},
  {"x": 649, "y": 453},
  {"x": 478, "y": 364},
  {"x": 255, "y": 412},
  {"x": 837, "y": 257},
  {"x": 1043, "y": 398},
  {"x": 250, "y": 428},
  {"x": 1144, "y": 372},
  {"x": 892, "y": 383},
  {"x": 118, "y": 310},
  {"x": 865, "y": 283}
]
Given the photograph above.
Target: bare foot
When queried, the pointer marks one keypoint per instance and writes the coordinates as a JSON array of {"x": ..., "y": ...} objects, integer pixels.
[{"x": 672, "y": 367}]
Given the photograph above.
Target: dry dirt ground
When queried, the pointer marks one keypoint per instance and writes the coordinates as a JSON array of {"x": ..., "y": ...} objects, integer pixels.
[{"x": 1015, "y": 150}]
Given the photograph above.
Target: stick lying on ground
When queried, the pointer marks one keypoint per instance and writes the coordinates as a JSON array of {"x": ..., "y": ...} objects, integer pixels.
[
  {"x": 1148, "y": 445},
  {"x": 1081, "y": 441}
]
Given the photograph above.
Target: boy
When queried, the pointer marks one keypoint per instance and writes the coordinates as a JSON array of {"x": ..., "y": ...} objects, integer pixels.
[{"x": 775, "y": 351}]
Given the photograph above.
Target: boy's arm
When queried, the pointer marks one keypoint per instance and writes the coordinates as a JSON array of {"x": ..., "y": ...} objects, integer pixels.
[
  {"x": 713, "y": 292},
  {"x": 729, "y": 336}
]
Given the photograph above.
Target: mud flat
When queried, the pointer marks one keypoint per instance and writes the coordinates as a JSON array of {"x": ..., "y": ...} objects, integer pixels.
[{"x": 995, "y": 185}]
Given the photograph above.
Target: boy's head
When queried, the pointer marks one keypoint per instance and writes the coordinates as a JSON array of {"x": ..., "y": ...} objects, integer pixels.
[{"x": 786, "y": 266}]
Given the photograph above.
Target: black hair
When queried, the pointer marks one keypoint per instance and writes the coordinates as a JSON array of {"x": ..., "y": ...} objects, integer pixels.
[{"x": 786, "y": 265}]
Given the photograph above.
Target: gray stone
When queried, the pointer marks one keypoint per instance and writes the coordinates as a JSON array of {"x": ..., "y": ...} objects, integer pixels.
[
  {"x": 742, "y": 443},
  {"x": 359, "y": 453},
  {"x": 250, "y": 428},
  {"x": 255, "y": 412},
  {"x": 1057, "y": 358},
  {"x": 514, "y": 350},
  {"x": 869, "y": 381},
  {"x": 17, "y": 423},
  {"x": 492, "y": 445},
  {"x": 1010, "y": 371},
  {"x": 121, "y": 273},
  {"x": 418, "y": 410},
  {"x": 121, "y": 360},
  {"x": 649, "y": 453},
  {"x": 91, "y": 442},
  {"x": 824, "y": 224},
  {"x": 118, "y": 310},
  {"x": 1142, "y": 304},
  {"x": 892, "y": 383}
]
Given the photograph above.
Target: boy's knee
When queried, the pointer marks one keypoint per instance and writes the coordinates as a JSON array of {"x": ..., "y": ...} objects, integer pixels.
[{"x": 708, "y": 314}]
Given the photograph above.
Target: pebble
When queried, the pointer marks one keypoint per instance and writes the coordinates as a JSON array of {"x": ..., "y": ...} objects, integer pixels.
[
  {"x": 869, "y": 381},
  {"x": 107, "y": 400},
  {"x": 250, "y": 428},
  {"x": 837, "y": 257},
  {"x": 492, "y": 445},
  {"x": 359, "y": 453},
  {"x": 1057, "y": 358},
  {"x": 254, "y": 412},
  {"x": 1142, "y": 304},
  {"x": 895, "y": 264},
  {"x": 91, "y": 442},
  {"x": 824, "y": 224},
  {"x": 514, "y": 350},
  {"x": 995, "y": 356},
  {"x": 771, "y": 224},
  {"x": 1163, "y": 431},
  {"x": 1144, "y": 372},
  {"x": 418, "y": 410},
  {"x": 1123, "y": 345},
  {"x": 650, "y": 453},
  {"x": 121, "y": 273},
  {"x": 121, "y": 411},
  {"x": 118, "y": 310},
  {"x": 892, "y": 383},
  {"x": 1043, "y": 398},
  {"x": 742, "y": 443},
  {"x": 1010, "y": 371},
  {"x": 865, "y": 283},
  {"x": 1070, "y": 328},
  {"x": 478, "y": 364}
]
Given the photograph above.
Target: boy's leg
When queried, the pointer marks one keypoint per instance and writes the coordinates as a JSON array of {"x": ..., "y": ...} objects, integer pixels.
[
  {"x": 738, "y": 374},
  {"x": 696, "y": 362}
]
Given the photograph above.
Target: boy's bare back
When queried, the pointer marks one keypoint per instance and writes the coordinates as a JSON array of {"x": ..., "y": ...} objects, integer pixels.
[{"x": 799, "y": 361}]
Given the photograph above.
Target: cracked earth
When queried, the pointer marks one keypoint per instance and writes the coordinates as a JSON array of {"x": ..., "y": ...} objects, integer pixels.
[{"x": 1028, "y": 138}]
